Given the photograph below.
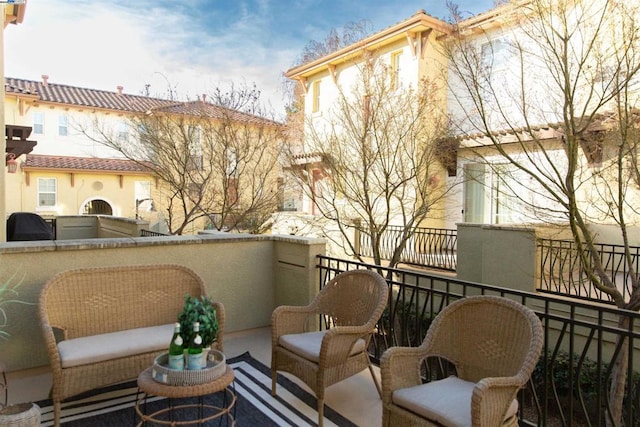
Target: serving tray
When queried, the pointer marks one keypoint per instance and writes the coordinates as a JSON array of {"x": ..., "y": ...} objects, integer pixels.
[{"x": 216, "y": 367}]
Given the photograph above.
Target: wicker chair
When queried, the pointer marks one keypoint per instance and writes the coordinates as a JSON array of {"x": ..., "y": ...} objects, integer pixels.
[
  {"x": 494, "y": 344},
  {"x": 352, "y": 303}
]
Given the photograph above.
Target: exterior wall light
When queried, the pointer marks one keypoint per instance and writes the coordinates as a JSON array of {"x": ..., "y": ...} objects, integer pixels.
[{"x": 12, "y": 163}]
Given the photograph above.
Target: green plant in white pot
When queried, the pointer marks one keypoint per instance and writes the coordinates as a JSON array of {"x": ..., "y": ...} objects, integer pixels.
[{"x": 199, "y": 309}]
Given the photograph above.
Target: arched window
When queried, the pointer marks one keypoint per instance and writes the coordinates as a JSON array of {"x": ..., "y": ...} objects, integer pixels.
[{"x": 97, "y": 207}]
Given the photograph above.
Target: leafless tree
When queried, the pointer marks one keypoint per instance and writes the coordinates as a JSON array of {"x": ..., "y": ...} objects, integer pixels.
[
  {"x": 216, "y": 160},
  {"x": 377, "y": 164},
  {"x": 555, "y": 99}
]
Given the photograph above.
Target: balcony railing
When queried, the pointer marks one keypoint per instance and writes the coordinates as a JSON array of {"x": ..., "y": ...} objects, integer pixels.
[
  {"x": 427, "y": 247},
  {"x": 570, "y": 384},
  {"x": 563, "y": 272}
]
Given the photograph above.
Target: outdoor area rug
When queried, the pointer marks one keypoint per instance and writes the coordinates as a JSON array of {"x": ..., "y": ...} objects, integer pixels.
[{"x": 113, "y": 405}]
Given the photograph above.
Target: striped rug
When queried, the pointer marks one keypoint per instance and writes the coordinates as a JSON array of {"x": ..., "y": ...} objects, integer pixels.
[{"x": 293, "y": 406}]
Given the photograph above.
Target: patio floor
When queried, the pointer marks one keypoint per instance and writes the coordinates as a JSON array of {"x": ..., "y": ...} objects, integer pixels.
[{"x": 355, "y": 398}]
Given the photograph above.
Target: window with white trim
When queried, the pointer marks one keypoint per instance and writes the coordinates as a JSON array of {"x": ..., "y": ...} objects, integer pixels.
[
  {"x": 195, "y": 148},
  {"x": 396, "y": 59},
  {"x": 123, "y": 132},
  {"x": 47, "y": 192},
  {"x": 496, "y": 54},
  {"x": 316, "y": 96},
  {"x": 492, "y": 194},
  {"x": 63, "y": 125},
  {"x": 38, "y": 122}
]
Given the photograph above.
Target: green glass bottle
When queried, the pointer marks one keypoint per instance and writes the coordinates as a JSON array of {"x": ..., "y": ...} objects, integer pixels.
[
  {"x": 195, "y": 356},
  {"x": 176, "y": 349}
]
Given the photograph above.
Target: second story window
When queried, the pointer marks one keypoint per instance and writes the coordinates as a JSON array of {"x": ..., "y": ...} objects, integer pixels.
[
  {"x": 195, "y": 148},
  {"x": 47, "y": 192},
  {"x": 38, "y": 123},
  {"x": 123, "y": 132},
  {"x": 496, "y": 54},
  {"x": 396, "y": 59},
  {"x": 316, "y": 96},
  {"x": 63, "y": 125}
]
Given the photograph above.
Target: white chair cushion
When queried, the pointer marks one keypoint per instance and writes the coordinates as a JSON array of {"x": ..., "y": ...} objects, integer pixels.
[
  {"x": 447, "y": 401},
  {"x": 98, "y": 348},
  {"x": 308, "y": 344}
]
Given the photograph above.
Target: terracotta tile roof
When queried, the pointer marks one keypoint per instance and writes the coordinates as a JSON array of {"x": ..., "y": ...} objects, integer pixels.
[
  {"x": 82, "y": 97},
  {"x": 206, "y": 109},
  {"x": 94, "y": 98},
  {"x": 40, "y": 161}
]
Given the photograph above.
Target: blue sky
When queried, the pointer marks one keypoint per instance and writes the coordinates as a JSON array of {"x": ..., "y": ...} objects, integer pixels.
[{"x": 192, "y": 46}]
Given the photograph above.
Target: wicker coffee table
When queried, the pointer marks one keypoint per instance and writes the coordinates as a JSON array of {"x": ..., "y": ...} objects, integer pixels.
[{"x": 147, "y": 386}]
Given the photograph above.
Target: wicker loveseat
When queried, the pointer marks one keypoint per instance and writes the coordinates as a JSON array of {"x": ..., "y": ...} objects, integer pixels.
[{"x": 106, "y": 325}]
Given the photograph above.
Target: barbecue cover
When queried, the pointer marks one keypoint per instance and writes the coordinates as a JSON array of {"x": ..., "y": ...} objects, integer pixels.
[{"x": 23, "y": 226}]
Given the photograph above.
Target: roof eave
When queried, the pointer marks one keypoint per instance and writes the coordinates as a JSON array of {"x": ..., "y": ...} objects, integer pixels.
[{"x": 417, "y": 23}]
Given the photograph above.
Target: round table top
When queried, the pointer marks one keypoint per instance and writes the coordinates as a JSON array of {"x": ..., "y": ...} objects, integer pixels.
[{"x": 147, "y": 384}]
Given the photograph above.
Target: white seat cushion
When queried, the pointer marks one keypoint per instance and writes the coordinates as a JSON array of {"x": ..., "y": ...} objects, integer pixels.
[
  {"x": 308, "y": 344},
  {"x": 446, "y": 401},
  {"x": 98, "y": 348}
]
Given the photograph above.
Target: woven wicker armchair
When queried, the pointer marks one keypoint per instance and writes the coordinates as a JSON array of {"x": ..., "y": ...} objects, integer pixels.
[
  {"x": 352, "y": 302},
  {"x": 494, "y": 344}
]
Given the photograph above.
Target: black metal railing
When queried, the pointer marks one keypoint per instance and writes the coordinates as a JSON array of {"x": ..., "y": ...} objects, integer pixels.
[
  {"x": 149, "y": 233},
  {"x": 52, "y": 224},
  {"x": 427, "y": 247},
  {"x": 562, "y": 271},
  {"x": 570, "y": 384}
]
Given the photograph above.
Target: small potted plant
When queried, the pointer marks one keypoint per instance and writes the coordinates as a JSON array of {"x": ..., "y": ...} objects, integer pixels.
[{"x": 198, "y": 309}]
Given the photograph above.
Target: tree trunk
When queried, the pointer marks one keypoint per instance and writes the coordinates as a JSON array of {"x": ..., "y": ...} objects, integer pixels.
[{"x": 619, "y": 376}]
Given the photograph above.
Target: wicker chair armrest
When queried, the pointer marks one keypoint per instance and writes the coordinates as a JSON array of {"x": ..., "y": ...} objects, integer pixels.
[
  {"x": 400, "y": 368},
  {"x": 51, "y": 346},
  {"x": 220, "y": 316},
  {"x": 289, "y": 319},
  {"x": 338, "y": 342},
  {"x": 491, "y": 399}
]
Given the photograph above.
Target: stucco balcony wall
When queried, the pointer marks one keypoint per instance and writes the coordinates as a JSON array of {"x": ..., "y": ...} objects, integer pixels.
[{"x": 249, "y": 274}]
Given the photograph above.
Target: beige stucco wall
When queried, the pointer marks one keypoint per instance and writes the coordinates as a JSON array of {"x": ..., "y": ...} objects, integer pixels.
[
  {"x": 497, "y": 255},
  {"x": 250, "y": 275},
  {"x": 74, "y": 191}
]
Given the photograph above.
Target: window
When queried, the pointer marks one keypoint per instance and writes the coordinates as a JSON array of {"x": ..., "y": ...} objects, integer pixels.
[
  {"x": 63, "y": 128},
  {"x": 195, "y": 148},
  {"x": 38, "y": 123},
  {"x": 490, "y": 194},
  {"x": 143, "y": 201},
  {"x": 316, "y": 96},
  {"x": 495, "y": 54},
  {"x": 396, "y": 58},
  {"x": 123, "y": 132},
  {"x": 232, "y": 163},
  {"x": 47, "y": 192}
]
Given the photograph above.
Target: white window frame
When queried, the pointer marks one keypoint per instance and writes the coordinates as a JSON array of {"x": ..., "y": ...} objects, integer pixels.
[
  {"x": 38, "y": 123},
  {"x": 142, "y": 190},
  {"x": 316, "y": 94},
  {"x": 496, "y": 54},
  {"x": 396, "y": 67},
  {"x": 195, "y": 147},
  {"x": 485, "y": 189},
  {"x": 41, "y": 183},
  {"x": 63, "y": 125},
  {"x": 123, "y": 132}
]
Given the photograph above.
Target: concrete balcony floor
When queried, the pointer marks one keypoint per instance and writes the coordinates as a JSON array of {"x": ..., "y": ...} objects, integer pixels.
[{"x": 355, "y": 398}]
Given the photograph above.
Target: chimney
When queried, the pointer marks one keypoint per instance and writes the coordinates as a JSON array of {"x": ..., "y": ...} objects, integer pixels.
[
  {"x": 45, "y": 79},
  {"x": 204, "y": 97},
  {"x": 120, "y": 88}
]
